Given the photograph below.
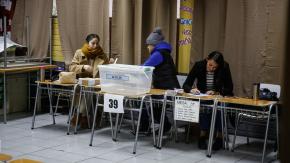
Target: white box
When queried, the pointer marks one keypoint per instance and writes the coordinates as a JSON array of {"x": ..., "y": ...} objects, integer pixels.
[
  {"x": 125, "y": 79},
  {"x": 89, "y": 81}
]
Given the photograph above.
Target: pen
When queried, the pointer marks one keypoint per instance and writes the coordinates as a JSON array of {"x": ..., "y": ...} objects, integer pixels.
[{"x": 115, "y": 60}]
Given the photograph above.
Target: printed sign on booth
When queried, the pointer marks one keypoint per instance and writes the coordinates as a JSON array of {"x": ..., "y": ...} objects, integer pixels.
[{"x": 186, "y": 110}]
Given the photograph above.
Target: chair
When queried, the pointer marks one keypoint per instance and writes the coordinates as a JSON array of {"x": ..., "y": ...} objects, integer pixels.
[
  {"x": 136, "y": 108},
  {"x": 64, "y": 97},
  {"x": 5, "y": 157},
  {"x": 132, "y": 107},
  {"x": 167, "y": 103},
  {"x": 261, "y": 118}
]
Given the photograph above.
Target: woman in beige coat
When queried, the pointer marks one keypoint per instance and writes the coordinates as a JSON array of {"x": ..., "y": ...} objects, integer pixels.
[
  {"x": 85, "y": 64},
  {"x": 86, "y": 60}
]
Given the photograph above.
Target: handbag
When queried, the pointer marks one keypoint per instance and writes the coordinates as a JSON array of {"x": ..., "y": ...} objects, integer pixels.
[
  {"x": 266, "y": 94},
  {"x": 67, "y": 77}
]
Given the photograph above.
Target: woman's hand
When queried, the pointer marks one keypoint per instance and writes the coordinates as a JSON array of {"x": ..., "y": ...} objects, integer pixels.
[
  {"x": 195, "y": 91},
  {"x": 210, "y": 92},
  {"x": 88, "y": 68},
  {"x": 112, "y": 60}
]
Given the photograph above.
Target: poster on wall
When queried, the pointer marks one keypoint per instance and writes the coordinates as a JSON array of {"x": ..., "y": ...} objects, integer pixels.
[{"x": 185, "y": 35}]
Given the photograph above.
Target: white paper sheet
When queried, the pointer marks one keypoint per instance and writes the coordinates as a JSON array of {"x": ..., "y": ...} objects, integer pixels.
[
  {"x": 200, "y": 95},
  {"x": 9, "y": 43}
]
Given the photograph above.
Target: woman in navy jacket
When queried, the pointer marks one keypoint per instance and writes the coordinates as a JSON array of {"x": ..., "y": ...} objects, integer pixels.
[{"x": 164, "y": 73}]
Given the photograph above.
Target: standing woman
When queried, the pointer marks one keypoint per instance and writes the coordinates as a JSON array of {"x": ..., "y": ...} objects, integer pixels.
[
  {"x": 212, "y": 76},
  {"x": 85, "y": 64},
  {"x": 164, "y": 74}
]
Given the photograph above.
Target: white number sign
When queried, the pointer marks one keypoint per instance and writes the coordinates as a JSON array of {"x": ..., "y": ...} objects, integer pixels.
[{"x": 113, "y": 103}]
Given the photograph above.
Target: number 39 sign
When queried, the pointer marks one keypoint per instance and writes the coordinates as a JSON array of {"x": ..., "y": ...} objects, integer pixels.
[{"x": 113, "y": 103}]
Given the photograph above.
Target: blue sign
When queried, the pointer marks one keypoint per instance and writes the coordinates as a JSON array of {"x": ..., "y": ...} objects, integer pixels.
[
  {"x": 186, "y": 21},
  {"x": 117, "y": 77}
]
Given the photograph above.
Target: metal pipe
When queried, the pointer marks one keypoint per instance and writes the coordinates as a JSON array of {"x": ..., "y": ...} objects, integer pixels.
[
  {"x": 266, "y": 133},
  {"x": 71, "y": 110},
  {"x": 50, "y": 36},
  {"x": 161, "y": 128},
  {"x": 226, "y": 126},
  {"x": 152, "y": 121},
  {"x": 4, "y": 74},
  {"x": 277, "y": 131},
  {"x": 35, "y": 104},
  {"x": 25, "y": 59},
  {"x": 50, "y": 40},
  {"x": 29, "y": 92},
  {"x": 5, "y": 42},
  {"x": 50, "y": 45},
  {"x": 94, "y": 121},
  {"x": 138, "y": 125},
  {"x": 4, "y": 102},
  {"x": 27, "y": 36},
  {"x": 212, "y": 128}
]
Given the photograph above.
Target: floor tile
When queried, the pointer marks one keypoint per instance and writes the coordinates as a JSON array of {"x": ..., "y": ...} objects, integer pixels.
[{"x": 50, "y": 144}]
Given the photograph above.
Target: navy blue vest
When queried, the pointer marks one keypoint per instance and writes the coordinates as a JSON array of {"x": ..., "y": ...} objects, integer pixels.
[{"x": 164, "y": 74}]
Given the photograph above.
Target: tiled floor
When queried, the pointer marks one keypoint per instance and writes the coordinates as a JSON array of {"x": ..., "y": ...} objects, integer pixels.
[{"x": 49, "y": 143}]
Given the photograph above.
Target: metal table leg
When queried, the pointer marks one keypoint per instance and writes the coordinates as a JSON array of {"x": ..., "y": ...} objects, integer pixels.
[
  {"x": 152, "y": 121},
  {"x": 94, "y": 121},
  {"x": 35, "y": 105},
  {"x": 78, "y": 110},
  {"x": 277, "y": 131},
  {"x": 87, "y": 112},
  {"x": 71, "y": 109},
  {"x": 138, "y": 125},
  {"x": 162, "y": 119},
  {"x": 212, "y": 128},
  {"x": 50, "y": 103},
  {"x": 266, "y": 133},
  {"x": 5, "y": 98},
  {"x": 111, "y": 123},
  {"x": 226, "y": 126},
  {"x": 116, "y": 127}
]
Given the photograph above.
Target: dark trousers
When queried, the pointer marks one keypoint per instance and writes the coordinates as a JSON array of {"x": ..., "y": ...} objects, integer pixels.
[{"x": 205, "y": 121}]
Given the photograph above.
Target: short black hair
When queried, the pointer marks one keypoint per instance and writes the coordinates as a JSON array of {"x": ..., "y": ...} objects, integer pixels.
[
  {"x": 217, "y": 57},
  {"x": 92, "y": 36}
]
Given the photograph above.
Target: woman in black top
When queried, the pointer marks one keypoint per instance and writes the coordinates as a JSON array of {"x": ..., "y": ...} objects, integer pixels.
[{"x": 212, "y": 76}]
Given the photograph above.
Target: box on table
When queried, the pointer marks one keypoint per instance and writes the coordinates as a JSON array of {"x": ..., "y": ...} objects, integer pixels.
[
  {"x": 89, "y": 81},
  {"x": 125, "y": 79}
]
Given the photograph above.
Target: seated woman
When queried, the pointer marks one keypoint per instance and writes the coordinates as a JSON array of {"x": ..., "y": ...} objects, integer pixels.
[
  {"x": 212, "y": 76},
  {"x": 86, "y": 60},
  {"x": 85, "y": 64},
  {"x": 164, "y": 74}
]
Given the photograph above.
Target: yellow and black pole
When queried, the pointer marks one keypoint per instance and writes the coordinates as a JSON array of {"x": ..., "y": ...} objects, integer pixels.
[
  {"x": 57, "y": 55},
  {"x": 185, "y": 35}
]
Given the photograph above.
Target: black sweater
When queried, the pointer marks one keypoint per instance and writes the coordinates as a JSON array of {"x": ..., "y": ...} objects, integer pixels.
[{"x": 222, "y": 79}]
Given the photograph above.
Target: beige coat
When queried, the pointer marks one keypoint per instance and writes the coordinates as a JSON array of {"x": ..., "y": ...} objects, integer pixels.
[{"x": 79, "y": 60}]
